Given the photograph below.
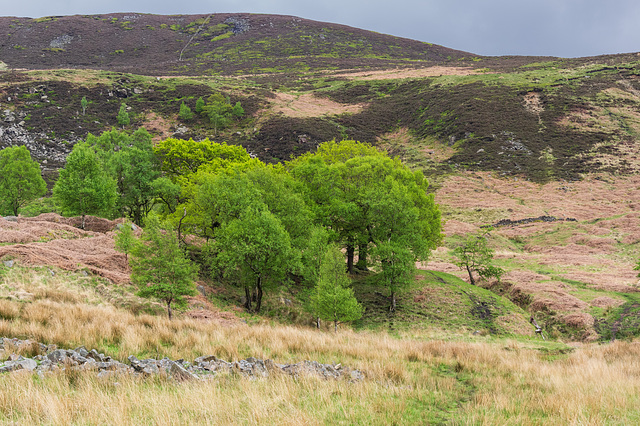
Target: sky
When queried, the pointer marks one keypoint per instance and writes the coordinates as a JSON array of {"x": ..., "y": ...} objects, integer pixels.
[{"x": 565, "y": 28}]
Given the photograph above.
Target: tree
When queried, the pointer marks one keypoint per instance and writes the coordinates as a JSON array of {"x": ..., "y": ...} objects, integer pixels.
[
  {"x": 83, "y": 186},
  {"x": 84, "y": 104},
  {"x": 160, "y": 269},
  {"x": 220, "y": 111},
  {"x": 199, "y": 105},
  {"x": 131, "y": 162},
  {"x": 123, "y": 116},
  {"x": 254, "y": 249},
  {"x": 348, "y": 185},
  {"x": 237, "y": 111},
  {"x": 20, "y": 179},
  {"x": 475, "y": 255},
  {"x": 185, "y": 113},
  {"x": 312, "y": 259},
  {"x": 334, "y": 298},
  {"x": 181, "y": 157},
  {"x": 125, "y": 240}
]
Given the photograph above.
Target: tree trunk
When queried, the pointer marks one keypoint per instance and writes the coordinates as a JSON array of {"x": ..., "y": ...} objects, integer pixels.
[
  {"x": 335, "y": 326},
  {"x": 362, "y": 257},
  {"x": 392, "y": 308},
  {"x": 471, "y": 280},
  {"x": 184, "y": 214},
  {"x": 259, "y": 298},
  {"x": 169, "y": 309},
  {"x": 350, "y": 250},
  {"x": 82, "y": 224},
  {"x": 247, "y": 297},
  {"x": 318, "y": 323}
]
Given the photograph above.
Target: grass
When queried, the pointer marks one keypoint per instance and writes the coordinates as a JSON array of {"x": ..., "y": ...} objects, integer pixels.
[{"x": 413, "y": 375}]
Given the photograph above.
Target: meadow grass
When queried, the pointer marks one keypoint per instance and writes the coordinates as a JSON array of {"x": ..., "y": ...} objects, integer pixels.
[{"x": 412, "y": 377}]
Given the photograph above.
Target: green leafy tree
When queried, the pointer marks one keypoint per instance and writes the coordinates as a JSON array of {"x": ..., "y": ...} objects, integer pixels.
[
  {"x": 83, "y": 186},
  {"x": 475, "y": 255},
  {"x": 220, "y": 111},
  {"x": 124, "y": 239},
  {"x": 237, "y": 111},
  {"x": 403, "y": 228},
  {"x": 123, "y": 116},
  {"x": 334, "y": 298},
  {"x": 254, "y": 249},
  {"x": 183, "y": 158},
  {"x": 348, "y": 183},
  {"x": 185, "y": 113},
  {"x": 312, "y": 260},
  {"x": 132, "y": 163},
  {"x": 20, "y": 179},
  {"x": 84, "y": 103},
  {"x": 199, "y": 105},
  {"x": 160, "y": 269}
]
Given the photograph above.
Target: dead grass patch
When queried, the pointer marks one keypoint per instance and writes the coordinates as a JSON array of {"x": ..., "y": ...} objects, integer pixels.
[
  {"x": 401, "y": 73},
  {"x": 307, "y": 105}
]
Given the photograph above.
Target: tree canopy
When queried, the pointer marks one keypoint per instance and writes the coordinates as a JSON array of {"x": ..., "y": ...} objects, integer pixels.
[
  {"x": 475, "y": 255},
  {"x": 83, "y": 186},
  {"x": 160, "y": 268},
  {"x": 20, "y": 179}
]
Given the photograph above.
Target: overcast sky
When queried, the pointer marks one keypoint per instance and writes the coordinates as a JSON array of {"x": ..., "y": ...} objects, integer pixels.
[{"x": 566, "y": 28}]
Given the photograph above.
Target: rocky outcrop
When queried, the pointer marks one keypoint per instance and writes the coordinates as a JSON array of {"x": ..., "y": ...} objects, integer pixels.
[{"x": 49, "y": 358}]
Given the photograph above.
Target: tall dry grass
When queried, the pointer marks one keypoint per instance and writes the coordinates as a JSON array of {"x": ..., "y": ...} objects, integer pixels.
[{"x": 409, "y": 380}]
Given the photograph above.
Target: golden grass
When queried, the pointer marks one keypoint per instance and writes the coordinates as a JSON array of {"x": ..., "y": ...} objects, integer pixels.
[{"x": 409, "y": 379}]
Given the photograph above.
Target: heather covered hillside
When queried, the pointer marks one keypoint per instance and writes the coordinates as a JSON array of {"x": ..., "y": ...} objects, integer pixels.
[{"x": 253, "y": 209}]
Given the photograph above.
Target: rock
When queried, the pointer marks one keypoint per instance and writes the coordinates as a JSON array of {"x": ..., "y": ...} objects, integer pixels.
[
  {"x": 95, "y": 355},
  {"x": 9, "y": 263},
  {"x": 180, "y": 373},
  {"x": 82, "y": 351},
  {"x": 206, "y": 358},
  {"x": 26, "y": 364},
  {"x": 57, "y": 356},
  {"x": 11, "y": 218},
  {"x": 356, "y": 375}
]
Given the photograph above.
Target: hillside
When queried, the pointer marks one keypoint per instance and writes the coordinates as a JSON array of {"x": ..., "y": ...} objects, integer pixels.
[
  {"x": 203, "y": 44},
  {"x": 487, "y": 131}
]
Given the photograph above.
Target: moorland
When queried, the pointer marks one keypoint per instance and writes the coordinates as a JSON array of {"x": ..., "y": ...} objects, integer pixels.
[{"x": 542, "y": 150}]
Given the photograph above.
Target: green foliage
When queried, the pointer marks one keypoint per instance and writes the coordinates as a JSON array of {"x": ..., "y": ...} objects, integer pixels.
[
  {"x": 84, "y": 103},
  {"x": 199, "y": 105},
  {"x": 124, "y": 239},
  {"x": 131, "y": 162},
  {"x": 475, "y": 255},
  {"x": 20, "y": 179},
  {"x": 237, "y": 110},
  {"x": 222, "y": 36},
  {"x": 167, "y": 192},
  {"x": 185, "y": 113},
  {"x": 333, "y": 299},
  {"x": 220, "y": 111},
  {"x": 84, "y": 187},
  {"x": 123, "y": 116},
  {"x": 254, "y": 250},
  {"x": 160, "y": 269},
  {"x": 181, "y": 157},
  {"x": 367, "y": 198}
]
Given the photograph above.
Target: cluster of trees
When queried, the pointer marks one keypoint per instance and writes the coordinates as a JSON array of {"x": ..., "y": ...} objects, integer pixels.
[
  {"x": 218, "y": 110},
  {"x": 259, "y": 226}
]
